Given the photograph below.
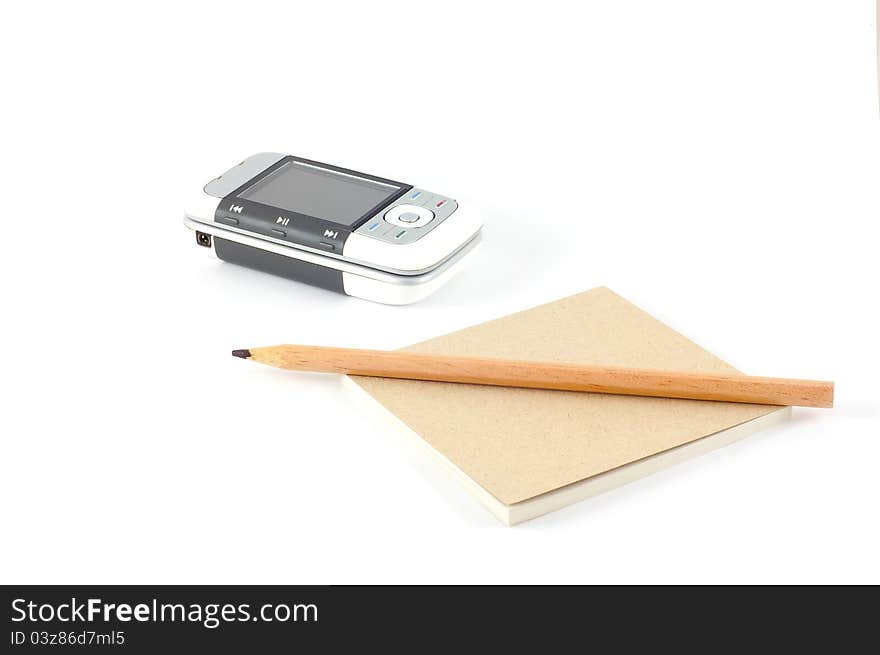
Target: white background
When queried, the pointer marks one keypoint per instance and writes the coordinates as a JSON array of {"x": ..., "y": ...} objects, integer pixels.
[{"x": 716, "y": 163}]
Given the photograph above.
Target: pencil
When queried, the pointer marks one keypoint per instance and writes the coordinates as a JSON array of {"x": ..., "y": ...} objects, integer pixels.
[{"x": 545, "y": 375}]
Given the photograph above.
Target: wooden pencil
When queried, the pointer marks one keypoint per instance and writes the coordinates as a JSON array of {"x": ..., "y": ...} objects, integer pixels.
[{"x": 545, "y": 375}]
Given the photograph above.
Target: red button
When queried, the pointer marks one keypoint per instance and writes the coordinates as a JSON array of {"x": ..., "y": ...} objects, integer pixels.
[{"x": 441, "y": 203}]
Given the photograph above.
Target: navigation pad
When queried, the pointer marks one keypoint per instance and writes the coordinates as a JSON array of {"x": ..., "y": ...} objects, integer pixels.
[{"x": 411, "y": 217}]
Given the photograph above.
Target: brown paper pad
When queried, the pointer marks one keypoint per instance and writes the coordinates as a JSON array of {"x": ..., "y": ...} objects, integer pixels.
[{"x": 519, "y": 444}]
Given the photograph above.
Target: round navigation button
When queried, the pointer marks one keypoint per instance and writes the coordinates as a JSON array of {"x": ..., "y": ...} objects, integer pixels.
[{"x": 409, "y": 216}]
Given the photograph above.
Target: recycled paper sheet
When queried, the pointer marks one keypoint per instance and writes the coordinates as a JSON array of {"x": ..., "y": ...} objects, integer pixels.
[{"x": 520, "y": 443}]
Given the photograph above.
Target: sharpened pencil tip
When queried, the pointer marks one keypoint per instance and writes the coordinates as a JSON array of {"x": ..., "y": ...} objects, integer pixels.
[{"x": 244, "y": 354}]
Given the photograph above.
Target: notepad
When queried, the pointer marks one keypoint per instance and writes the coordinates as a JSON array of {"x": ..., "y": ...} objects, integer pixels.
[{"x": 525, "y": 452}]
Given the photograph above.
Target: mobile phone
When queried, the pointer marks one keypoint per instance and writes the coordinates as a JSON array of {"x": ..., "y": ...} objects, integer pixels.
[{"x": 335, "y": 228}]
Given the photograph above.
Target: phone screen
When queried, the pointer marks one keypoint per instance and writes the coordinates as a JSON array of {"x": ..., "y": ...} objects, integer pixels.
[{"x": 314, "y": 191}]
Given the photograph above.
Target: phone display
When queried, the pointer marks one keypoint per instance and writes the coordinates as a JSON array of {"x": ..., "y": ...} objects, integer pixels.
[{"x": 319, "y": 192}]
